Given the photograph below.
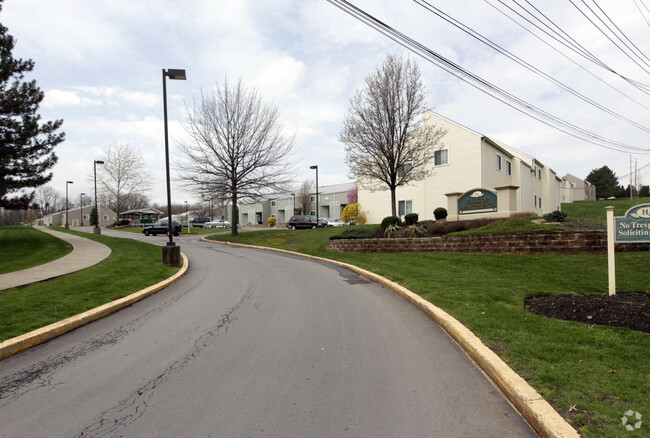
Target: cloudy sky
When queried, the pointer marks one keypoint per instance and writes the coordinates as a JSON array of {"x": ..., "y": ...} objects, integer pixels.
[{"x": 100, "y": 64}]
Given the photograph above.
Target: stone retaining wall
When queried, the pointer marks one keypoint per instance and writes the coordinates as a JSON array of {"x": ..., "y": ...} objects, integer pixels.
[{"x": 579, "y": 242}]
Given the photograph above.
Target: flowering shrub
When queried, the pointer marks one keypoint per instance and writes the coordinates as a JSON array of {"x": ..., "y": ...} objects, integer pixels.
[
  {"x": 271, "y": 220},
  {"x": 353, "y": 214}
]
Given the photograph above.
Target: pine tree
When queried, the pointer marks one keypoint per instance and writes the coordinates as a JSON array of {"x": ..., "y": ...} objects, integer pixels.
[
  {"x": 605, "y": 181},
  {"x": 26, "y": 144}
]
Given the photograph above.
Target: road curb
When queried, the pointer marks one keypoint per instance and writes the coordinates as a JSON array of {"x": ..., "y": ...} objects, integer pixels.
[
  {"x": 44, "y": 334},
  {"x": 546, "y": 421}
]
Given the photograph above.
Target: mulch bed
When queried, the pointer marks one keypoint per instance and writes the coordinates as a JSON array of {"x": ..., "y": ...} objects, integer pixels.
[{"x": 625, "y": 309}]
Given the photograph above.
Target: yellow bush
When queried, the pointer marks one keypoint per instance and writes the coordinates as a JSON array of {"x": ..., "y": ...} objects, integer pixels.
[
  {"x": 353, "y": 214},
  {"x": 271, "y": 220}
]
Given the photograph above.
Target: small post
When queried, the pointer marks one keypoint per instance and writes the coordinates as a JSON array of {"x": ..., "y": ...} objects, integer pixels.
[{"x": 611, "y": 253}]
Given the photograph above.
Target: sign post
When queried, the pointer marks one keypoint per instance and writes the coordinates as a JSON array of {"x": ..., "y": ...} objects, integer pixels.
[
  {"x": 611, "y": 254},
  {"x": 634, "y": 227}
]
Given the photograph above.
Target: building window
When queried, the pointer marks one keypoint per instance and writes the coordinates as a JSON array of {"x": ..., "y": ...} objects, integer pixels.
[
  {"x": 403, "y": 170},
  {"x": 105, "y": 217},
  {"x": 535, "y": 201},
  {"x": 509, "y": 167},
  {"x": 274, "y": 216},
  {"x": 312, "y": 198},
  {"x": 404, "y": 207},
  {"x": 312, "y": 213},
  {"x": 539, "y": 201},
  {"x": 441, "y": 157},
  {"x": 539, "y": 174},
  {"x": 272, "y": 203},
  {"x": 498, "y": 162},
  {"x": 86, "y": 217}
]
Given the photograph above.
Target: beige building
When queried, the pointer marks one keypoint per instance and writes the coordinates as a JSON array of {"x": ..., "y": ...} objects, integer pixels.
[
  {"x": 464, "y": 162},
  {"x": 574, "y": 189},
  {"x": 79, "y": 217}
]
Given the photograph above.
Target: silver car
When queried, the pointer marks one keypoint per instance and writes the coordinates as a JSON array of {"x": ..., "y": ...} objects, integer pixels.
[{"x": 217, "y": 223}]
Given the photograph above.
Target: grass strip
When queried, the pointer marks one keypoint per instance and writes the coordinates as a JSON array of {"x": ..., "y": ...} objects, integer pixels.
[
  {"x": 590, "y": 374},
  {"x": 23, "y": 247},
  {"x": 132, "y": 266}
]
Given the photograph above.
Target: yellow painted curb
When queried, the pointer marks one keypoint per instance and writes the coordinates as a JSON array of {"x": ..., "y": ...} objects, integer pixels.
[
  {"x": 539, "y": 413},
  {"x": 44, "y": 334}
]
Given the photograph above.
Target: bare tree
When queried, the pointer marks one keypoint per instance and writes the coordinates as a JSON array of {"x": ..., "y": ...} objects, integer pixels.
[
  {"x": 237, "y": 149},
  {"x": 304, "y": 195},
  {"x": 48, "y": 200},
  {"x": 386, "y": 143},
  {"x": 123, "y": 177}
]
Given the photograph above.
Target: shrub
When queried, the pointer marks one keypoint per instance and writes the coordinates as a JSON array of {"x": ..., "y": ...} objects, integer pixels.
[
  {"x": 355, "y": 233},
  {"x": 389, "y": 220},
  {"x": 353, "y": 214},
  {"x": 393, "y": 230},
  {"x": 271, "y": 220},
  {"x": 442, "y": 228},
  {"x": 556, "y": 216},
  {"x": 440, "y": 213},
  {"x": 415, "y": 231},
  {"x": 411, "y": 219}
]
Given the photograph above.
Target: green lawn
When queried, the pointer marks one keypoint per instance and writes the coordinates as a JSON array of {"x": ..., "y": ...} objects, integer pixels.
[
  {"x": 596, "y": 209},
  {"x": 591, "y": 374},
  {"x": 132, "y": 266},
  {"x": 23, "y": 247}
]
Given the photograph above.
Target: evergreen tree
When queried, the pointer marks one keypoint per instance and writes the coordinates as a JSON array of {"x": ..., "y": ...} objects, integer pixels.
[
  {"x": 26, "y": 144},
  {"x": 605, "y": 181}
]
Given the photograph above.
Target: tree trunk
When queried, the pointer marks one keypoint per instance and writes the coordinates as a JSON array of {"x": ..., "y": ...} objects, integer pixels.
[
  {"x": 393, "y": 203},
  {"x": 234, "y": 215}
]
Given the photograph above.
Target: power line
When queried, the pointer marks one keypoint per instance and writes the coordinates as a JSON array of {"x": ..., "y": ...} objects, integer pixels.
[
  {"x": 428, "y": 6},
  {"x": 483, "y": 85}
]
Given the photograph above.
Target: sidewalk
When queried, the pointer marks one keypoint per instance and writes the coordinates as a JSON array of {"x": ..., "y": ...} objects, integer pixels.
[{"x": 85, "y": 253}]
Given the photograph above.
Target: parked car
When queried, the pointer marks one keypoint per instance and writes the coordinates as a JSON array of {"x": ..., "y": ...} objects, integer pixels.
[
  {"x": 305, "y": 221},
  {"x": 199, "y": 222},
  {"x": 162, "y": 227},
  {"x": 217, "y": 223},
  {"x": 336, "y": 223}
]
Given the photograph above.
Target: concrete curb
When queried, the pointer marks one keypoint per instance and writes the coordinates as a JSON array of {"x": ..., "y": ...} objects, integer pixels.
[
  {"x": 44, "y": 334},
  {"x": 537, "y": 411}
]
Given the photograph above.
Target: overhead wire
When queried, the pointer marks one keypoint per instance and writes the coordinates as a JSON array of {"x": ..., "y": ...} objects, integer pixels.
[
  {"x": 565, "y": 40},
  {"x": 446, "y": 17},
  {"x": 636, "y": 3},
  {"x": 568, "y": 58},
  {"x": 482, "y": 84},
  {"x": 631, "y": 50}
]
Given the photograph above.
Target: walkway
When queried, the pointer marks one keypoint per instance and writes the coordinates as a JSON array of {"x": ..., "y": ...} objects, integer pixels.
[{"x": 85, "y": 253}]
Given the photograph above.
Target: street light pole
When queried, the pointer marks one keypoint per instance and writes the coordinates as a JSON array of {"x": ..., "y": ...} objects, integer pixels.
[
  {"x": 171, "y": 252},
  {"x": 294, "y": 204},
  {"x": 96, "y": 230},
  {"x": 81, "y": 210},
  {"x": 316, "y": 167},
  {"x": 67, "y": 226}
]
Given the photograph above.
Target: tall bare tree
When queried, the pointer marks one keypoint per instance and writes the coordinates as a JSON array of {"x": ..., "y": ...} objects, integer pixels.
[
  {"x": 237, "y": 147},
  {"x": 123, "y": 178},
  {"x": 304, "y": 195},
  {"x": 386, "y": 143},
  {"x": 48, "y": 200}
]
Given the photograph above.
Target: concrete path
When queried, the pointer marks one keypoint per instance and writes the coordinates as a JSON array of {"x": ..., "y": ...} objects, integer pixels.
[{"x": 85, "y": 253}]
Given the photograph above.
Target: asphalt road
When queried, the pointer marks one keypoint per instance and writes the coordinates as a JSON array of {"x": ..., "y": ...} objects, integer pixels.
[{"x": 254, "y": 344}]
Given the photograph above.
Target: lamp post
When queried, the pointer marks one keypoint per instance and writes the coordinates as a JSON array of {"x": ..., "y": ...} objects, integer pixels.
[
  {"x": 96, "y": 230},
  {"x": 316, "y": 167},
  {"x": 171, "y": 252},
  {"x": 294, "y": 204},
  {"x": 81, "y": 210},
  {"x": 67, "y": 226}
]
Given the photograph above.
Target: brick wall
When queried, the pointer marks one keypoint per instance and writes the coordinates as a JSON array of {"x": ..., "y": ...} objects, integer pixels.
[{"x": 585, "y": 242}]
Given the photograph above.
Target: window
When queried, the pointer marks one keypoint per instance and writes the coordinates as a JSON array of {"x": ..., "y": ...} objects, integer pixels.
[
  {"x": 404, "y": 208},
  {"x": 312, "y": 198},
  {"x": 498, "y": 162},
  {"x": 272, "y": 203},
  {"x": 403, "y": 170},
  {"x": 535, "y": 201},
  {"x": 441, "y": 157},
  {"x": 539, "y": 174},
  {"x": 539, "y": 201},
  {"x": 86, "y": 217},
  {"x": 105, "y": 217},
  {"x": 509, "y": 167}
]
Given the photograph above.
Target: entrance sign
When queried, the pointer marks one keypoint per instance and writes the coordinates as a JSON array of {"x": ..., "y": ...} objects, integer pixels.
[
  {"x": 635, "y": 225},
  {"x": 477, "y": 201},
  {"x": 632, "y": 228}
]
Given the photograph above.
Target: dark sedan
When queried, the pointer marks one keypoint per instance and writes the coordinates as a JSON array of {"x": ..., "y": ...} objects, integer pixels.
[
  {"x": 305, "y": 221},
  {"x": 162, "y": 227}
]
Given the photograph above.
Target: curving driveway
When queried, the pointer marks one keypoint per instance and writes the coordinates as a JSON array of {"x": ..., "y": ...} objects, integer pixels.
[{"x": 254, "y": 344}]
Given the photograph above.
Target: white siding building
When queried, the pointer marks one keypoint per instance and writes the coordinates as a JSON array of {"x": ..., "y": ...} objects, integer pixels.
[{"x": 467, "y": 160}]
